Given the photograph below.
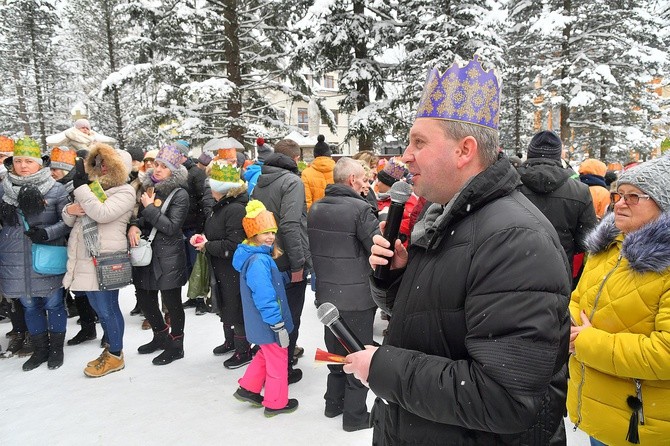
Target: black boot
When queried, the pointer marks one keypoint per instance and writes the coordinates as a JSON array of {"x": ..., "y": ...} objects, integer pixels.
[
  {"x": 40, "y": 353},
  {"x": 87, "y": 333},
  {"x": 159, "y": 342},
  {"x": 173, "y": 351},
  {"x": 56, "y": 341}
]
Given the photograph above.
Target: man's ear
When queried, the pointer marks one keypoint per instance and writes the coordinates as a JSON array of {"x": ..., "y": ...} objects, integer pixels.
[{"x": 468, "y": 151}]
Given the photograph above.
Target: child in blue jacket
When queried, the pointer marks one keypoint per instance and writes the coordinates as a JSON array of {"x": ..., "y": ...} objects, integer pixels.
[{"x": 267, "y": 318}]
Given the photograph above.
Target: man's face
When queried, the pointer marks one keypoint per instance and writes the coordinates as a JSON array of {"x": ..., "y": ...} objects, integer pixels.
[
  {"x": 358, "y": 180},
  {"x": 432, "y": 160}
]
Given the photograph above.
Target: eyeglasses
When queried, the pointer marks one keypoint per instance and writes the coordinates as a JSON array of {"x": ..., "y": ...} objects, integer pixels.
[{"x": 629, "y": 199}]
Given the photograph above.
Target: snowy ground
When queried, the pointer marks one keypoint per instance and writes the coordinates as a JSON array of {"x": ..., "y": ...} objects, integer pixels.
[{"x": 187, "y": 402}]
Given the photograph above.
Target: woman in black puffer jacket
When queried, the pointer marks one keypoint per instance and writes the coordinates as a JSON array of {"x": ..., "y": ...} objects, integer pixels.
[{"x": 167, "y": 271}]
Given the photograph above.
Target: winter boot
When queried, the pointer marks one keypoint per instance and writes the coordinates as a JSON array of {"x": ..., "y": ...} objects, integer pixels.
[
  {"x": 87, "y": 333},
  {"x": 173, "y": 351},
  {"x": 291, "y": 406},
  {"x": 229, "y": 341},
  {"x": 200, "y": 306},
  {"x": 15, "y": 345},
  {"x": 27, "y": 348},
  {"x": 242, "y": 394},
  {"x": 239, "y": 359},
  {"x": 137, "y": 310},
  {"x": 55, "y": 349},
  {"x": 98, "y": 359},
  {"x": 159, "y": 342},
  {"x": 41, "y": 353},
  {"x": 108, "y": 364}
]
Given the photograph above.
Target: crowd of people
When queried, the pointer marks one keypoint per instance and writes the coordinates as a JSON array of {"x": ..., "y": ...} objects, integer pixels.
[{"x": 508, "y": 274}]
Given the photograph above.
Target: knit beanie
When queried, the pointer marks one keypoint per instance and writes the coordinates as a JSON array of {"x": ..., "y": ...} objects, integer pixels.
[
  {"x": 82, "y": 124},
  {"x": 27, "y": 147},
  {"x": 545, "y": 144},
  {"x": 258, "y": 219},
  {"x": 205, "y": 158},
  {"x": 263, "y": 151},
  {"x": 593, "y": 166},
  {"x": 394, "y": 170},
  {"x": 653, "y": 178},
  {"x": 63, "y": 158},
  {"x": 6, "y": 146},
  {"x": 150, "y": 155},
  {"x": 322, "y": 148},
  {"x": 170, "y": 155},
  {"x": 183, "y": 146},
  {"x": 224, "y": 177},
  {"x": 136, "y": 154}
]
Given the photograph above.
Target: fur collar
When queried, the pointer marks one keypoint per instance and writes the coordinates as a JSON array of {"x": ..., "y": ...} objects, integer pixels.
[
  {"x": 647, "y": 249},
  {"x": 179, "y": 178},
  {"x": 117, "y": 172}
]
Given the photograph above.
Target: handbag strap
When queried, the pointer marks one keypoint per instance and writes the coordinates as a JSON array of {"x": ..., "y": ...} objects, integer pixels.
[
  {"x": 163, "y": 209},
  {"x": 23, "y": 219}
]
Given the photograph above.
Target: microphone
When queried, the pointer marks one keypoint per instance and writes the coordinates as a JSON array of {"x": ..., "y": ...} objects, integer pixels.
[
  {"x": 329, "y": 316},
  {"x": 400, "y": 193}
]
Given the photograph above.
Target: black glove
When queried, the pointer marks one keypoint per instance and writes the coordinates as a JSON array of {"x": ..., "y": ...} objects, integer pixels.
[
  {"x": 281, "y": 334},
  {"x": 80, "y": 176},
  {"x": 8, "y": 215},
  {"x": 37, "y": 235}
]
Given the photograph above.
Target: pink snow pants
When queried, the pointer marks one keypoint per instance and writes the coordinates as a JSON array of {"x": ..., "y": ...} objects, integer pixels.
[{"x": 269, "y": 368}]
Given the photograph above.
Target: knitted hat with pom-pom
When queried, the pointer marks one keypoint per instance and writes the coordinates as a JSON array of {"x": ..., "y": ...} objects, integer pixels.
[{"x": 258, "y": 219}]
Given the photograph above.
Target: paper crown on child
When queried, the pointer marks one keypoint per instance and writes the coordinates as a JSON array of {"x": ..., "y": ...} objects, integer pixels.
[
  {"x": 394, "y": 170},
  {"x": 226, "y": 154},
  {"x": 466, "y": 94},
  {"x": 27, "y": 147},
  {"x": 258, "y": 219},
  {"x": 63, "y": 158},
  {"x": 6, "y": 146}
]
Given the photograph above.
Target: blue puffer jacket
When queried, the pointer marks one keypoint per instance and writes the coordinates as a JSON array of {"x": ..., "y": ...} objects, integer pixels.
[
  {"x": 17, "y": 277},
  {"x": 263, "y": 296},
  {"x": 251, "y": 175}
]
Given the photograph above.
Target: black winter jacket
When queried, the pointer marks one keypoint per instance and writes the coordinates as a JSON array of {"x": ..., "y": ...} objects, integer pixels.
[
  {"x": 566, "y": 203},
  {"x": 167, "y": 269},
  {"x": 224, "y": 232},
  {"x": 340, "y": 228},
  {"x": 199, "y": 195},
  {"x": 478, "y": 339}
]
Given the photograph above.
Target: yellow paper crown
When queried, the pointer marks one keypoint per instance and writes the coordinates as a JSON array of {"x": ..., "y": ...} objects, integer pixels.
[
  {"x": 63, "y": 158},
  {"x": 27, "y": 147},
  {"x": 6, "y": 145},
  {"x": 225, "y": 173},
  {"x": 258, "y": 219}
]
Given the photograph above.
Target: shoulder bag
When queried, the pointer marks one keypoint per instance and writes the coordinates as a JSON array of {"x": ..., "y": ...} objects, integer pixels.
[
  {"x": 50, "y": 260},
  {"x": 141, "y": 254},
  {"x": 113, "y": 269}
]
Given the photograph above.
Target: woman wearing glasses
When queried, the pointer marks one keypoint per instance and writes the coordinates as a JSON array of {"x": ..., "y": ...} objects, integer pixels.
[{"x": 619, "y": 389}]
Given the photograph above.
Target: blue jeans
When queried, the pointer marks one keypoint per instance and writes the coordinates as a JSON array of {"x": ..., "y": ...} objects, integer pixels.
[
  {"x": 106, "y": 304},
  {"x": 45, "y": 313},
  {"x": 595, "y": 442}
]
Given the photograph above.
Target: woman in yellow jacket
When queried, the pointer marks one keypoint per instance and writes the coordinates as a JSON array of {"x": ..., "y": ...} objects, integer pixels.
[
  {"x": 319, "y": 174},
  {"x": 619, "y": 389}
]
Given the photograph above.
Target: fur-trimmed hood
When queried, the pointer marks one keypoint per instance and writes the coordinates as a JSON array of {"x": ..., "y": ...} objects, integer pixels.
[
  {"x": 179, "y": 178},
  {"x": 117, "y": 171},
  {"x": 647, "y": 249}
]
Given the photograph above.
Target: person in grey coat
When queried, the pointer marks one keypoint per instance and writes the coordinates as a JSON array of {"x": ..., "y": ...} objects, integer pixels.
[
  {"x": 29, "y": 195},
  {"x": 340, "y": 249},
  {"x": 167, "y": 271}
]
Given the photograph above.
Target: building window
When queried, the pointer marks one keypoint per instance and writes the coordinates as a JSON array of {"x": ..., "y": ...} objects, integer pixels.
[
  {"x": 329, "y": 82},
  {"x": 336, "y": 116},
  {"x": 303, "y": 119}
]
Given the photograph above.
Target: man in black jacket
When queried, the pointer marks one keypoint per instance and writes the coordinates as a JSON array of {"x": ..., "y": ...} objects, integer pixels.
[
  {"x": 477, "y": 344},
  {"x": 340, "y": 249},
  {"x": 566, "y": 202}
]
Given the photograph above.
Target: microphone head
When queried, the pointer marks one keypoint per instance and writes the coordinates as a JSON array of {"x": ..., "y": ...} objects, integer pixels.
[
  {"x": 400, "y": 192},
  {"x": 327, "y": 313}
]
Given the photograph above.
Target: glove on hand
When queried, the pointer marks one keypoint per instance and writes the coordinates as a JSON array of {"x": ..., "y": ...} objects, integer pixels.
[
  {"x": 80, "y": 176},
  {"x": 8, "y": 215},
  {"x": 37, "y": 235},
  {"x": 281, "y": 334}
]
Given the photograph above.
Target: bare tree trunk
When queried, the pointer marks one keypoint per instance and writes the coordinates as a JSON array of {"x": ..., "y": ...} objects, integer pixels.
[
  {"x": 231, "y": 48},
  {"x": 566, "y": 136},
  {"x": 24, "y": 119},
  {"x": 517, "y": 114},
  {"x": 38, "y": 78},
  {"x": 112, "y": 65},
  {"x": 362, "y": 86}
]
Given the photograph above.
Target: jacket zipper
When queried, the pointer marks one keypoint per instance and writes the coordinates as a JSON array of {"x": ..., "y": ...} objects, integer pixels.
[
  {"x": 581, "y": 364},
  {"x": 638, "y": 392}
]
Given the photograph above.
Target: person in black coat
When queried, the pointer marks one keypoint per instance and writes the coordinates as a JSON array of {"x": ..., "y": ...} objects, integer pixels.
[
  {"x": 340, "y": 249},
  {"x": 223, "y": 232},
  {"x": 478, "y": 339},
  {"x": 566, "y": 203},
  {"x": 167, "y": 271}
]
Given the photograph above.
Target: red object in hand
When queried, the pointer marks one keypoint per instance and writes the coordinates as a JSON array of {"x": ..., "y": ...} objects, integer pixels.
[{"x": 199, "y": 239}]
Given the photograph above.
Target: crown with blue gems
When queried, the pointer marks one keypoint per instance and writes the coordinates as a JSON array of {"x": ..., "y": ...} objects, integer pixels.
[{"x": 467, "y": 94}]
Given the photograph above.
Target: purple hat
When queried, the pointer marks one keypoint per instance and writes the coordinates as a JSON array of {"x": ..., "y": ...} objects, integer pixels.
[
  {"x": 466, "y": 94},
  {"x": 170, "y": 155},
  {"x": 205, "y": 159},
  {"x": 393, "y": 171}
]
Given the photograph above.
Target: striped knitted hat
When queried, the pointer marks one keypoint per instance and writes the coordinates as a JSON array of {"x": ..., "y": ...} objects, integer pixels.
[{"x": 258, "y": 219}]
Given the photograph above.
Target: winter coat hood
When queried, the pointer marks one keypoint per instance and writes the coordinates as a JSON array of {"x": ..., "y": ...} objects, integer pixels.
[
  {"x": 117, "y": 171},
  {"x": 647, "y": 249},
  {"x": 244, "y": 251},
  {"x": 543, "y": 176},
  {"x": 282, "y": 161},
  {"x": 323, "y": 164}
]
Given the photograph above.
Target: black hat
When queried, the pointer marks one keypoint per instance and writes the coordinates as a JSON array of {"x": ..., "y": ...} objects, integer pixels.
[
  {"x": 322, "y": 148},
  {"x": 545, "y": 144},
  {"x": 136, "y": 153}
]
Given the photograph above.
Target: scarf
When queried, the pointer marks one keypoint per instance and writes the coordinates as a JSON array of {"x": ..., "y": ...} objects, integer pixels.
[{"x": 13, "y": 183}]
